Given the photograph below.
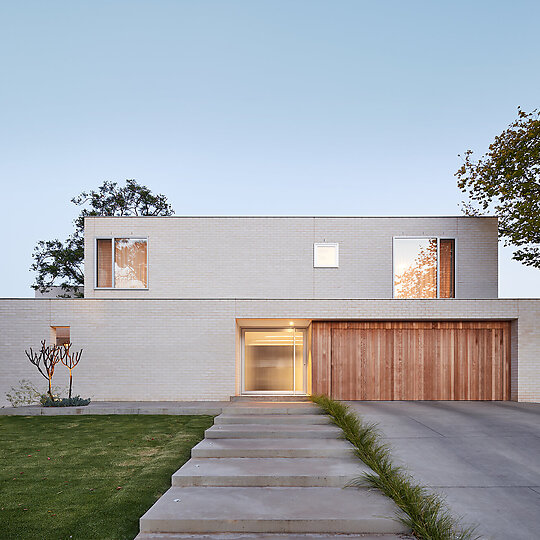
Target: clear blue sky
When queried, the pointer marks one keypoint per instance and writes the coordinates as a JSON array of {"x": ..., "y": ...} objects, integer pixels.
[{"x": 254, "y": 107}]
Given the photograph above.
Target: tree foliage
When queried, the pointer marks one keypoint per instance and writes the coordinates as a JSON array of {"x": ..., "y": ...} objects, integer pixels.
[
  {"x": 58, "y": 263},
  {"x": 506, "y": 181}
]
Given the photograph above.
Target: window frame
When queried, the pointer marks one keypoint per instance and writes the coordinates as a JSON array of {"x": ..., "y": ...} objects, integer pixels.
[
  {"x": 316, "y": 245},
  {"x": 113, "y": 239},
  {"x": 427, "y": 237}
]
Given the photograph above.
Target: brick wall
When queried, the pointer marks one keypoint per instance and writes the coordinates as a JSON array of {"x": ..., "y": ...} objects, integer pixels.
[
  {"x": 528, "y": 361},
  {"x": 188, "y": 349},
  {"x": 242, "y": 257}
]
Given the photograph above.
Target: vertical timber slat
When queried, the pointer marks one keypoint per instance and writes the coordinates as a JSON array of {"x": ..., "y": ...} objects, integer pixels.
[{"x": 391, "y": 360}]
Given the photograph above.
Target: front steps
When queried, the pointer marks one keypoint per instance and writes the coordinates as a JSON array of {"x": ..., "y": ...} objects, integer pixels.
[{"x": 270, "y": 470}]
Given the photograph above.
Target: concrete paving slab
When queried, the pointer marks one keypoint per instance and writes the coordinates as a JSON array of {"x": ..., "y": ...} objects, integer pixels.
[
  {"x": 166, "y": 407},
  {"x": 273, "y": 408},
  {"x": 274, "y": 472},
  {"x": 484, "y": 457},
  {"x": 249, "y": 536},
  {"x": 503, "y": 512},
  {"x": 471, "y": 462},
  {"x": 402, "y": 427},
  {"x": 272, "y": 510},
  {"x": 257, "y": 431},
  {"x": 211, "y": 408},
  {"x": 272, "y": 418},
  {"x": 456, "y": 419},
  {"x": 273, "y": 448}
]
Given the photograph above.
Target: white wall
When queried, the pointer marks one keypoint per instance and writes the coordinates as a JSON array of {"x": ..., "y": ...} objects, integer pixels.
[
  {"x": 264, "y": 257},
  {"x": 186, "y": 349},
  {"x": 133, "y": 350}
]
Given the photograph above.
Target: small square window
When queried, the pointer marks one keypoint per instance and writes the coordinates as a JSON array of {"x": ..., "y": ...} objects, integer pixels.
[{"x": 326, "y": 255}]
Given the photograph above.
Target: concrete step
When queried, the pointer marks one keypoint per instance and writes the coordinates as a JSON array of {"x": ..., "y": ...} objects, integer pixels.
[
  {"x": 280, "y": 472},
  {"x": 273, "y": 431},
  {"x": 272, "y": 408},
  {"x": 272, "y": 448},
  {"x": 272, "y": 510},
  {"x": 259, "y": 536},
  {"x": 272, "y": 419}
]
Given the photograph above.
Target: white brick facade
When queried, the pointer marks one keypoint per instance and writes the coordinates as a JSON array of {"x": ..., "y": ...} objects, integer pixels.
[
  {"x": 179, "y": 340},
  {"x": 187, "y": 349},
  {"x": 272, "y": 257}
]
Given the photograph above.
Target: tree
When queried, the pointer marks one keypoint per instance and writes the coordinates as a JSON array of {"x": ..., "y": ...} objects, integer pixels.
[
  {"x": 59, "y": 263},
  {"x": 49, "y": 356},
  {"x": 70, "y": 360},
  {"x": 506, "y": 181}
]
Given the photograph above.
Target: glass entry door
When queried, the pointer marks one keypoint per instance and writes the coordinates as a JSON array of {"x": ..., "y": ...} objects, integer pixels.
[{"x": 274, "y": 361}]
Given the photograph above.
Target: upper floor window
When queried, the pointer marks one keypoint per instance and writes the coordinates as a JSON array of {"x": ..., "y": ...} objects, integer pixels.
[
  {"x": 325, "y": 255},
  {"x": 424, "y": 268},
  {"x": 122, "y": 263}
]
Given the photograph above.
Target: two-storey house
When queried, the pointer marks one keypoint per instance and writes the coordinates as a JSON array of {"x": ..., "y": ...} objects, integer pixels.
[{"x": 204, "y": 308}]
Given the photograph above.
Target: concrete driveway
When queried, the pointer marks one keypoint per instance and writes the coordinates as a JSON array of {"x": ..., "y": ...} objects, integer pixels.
[{"x": 484, "y": 457}]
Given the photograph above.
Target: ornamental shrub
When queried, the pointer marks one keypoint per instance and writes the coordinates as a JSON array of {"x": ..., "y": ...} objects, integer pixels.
[{"x": 76, "y": 401}]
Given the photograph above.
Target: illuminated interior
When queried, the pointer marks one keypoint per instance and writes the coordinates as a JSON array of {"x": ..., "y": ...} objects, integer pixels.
[
  {"x": 125, "y": 266},
  {"x": 274, "y": 360},
  {"x": 130, "y": 263},
  {"x": 60, "y": 335}
]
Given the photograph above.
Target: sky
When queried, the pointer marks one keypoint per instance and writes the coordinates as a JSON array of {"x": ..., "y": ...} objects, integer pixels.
[{"x": 267, "y": 107}]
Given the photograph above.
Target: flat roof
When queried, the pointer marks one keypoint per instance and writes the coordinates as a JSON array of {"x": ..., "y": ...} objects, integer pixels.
[{"x": 295, "y": 217}]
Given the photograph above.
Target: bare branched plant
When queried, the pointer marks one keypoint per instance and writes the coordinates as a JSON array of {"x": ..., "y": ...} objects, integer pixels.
[
  {"x": 70, "y": 360},
  {"x": 45, "y": 360}
]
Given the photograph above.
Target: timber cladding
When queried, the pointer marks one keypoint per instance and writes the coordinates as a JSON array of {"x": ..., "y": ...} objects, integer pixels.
[{"x": 412, "y": 360}]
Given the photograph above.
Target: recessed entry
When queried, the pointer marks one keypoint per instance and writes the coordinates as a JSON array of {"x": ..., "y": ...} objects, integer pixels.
[{"x": 275, "y": 361}]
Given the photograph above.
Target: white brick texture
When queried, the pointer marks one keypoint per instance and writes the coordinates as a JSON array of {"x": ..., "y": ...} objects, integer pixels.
[
  {"x": 272, "y": 257},
  {"x": 187, "y": 349},
  {"x": 178, "y": 340}
]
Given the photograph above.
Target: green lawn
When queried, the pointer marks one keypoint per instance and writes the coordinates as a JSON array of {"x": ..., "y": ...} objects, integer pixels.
[{"x": 88, "y": 477}]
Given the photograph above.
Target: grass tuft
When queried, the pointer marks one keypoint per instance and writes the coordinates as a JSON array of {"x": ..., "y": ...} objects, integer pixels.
[{"x": 424, "y": 512}]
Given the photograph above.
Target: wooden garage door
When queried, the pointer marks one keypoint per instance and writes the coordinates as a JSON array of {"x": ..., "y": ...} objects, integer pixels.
[{"x": 412, "y": 360}]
